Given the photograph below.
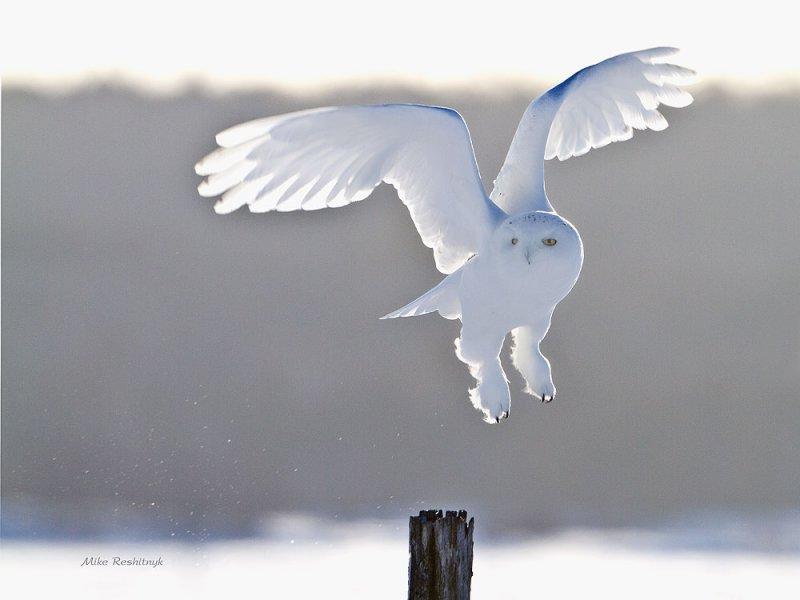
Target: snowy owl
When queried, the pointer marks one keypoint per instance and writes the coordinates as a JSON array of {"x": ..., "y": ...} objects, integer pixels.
[{"x": 509, "y": 258}]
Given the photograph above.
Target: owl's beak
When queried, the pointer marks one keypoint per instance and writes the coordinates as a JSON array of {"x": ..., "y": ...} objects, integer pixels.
[{"x": 528, "y": 255}]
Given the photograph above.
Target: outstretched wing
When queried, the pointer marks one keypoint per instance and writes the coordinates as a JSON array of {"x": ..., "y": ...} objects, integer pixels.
[
  {"x": 598, "y": 105},
  {"x": 330, "y": 157}
]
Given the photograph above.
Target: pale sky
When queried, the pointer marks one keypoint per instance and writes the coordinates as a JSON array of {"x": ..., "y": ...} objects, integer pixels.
[{"x": 163, "y": 44}]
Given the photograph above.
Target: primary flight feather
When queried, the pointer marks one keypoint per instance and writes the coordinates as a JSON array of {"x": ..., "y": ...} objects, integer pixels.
[{"x": 509, "y": 258}]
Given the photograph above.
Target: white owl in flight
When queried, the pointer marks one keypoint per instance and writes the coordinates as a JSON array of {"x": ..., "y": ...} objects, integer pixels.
[{"x": 509, "y": 257}]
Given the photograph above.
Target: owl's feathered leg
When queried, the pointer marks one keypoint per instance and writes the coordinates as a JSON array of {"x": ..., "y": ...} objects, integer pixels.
[
  {"x": 481, "y": 353},
  {"x": 530, "y": 361}
]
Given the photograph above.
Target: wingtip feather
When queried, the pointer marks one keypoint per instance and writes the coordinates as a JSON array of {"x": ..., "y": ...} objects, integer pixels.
[
  {"x": 658, "y": 53},
  {"x": 221, "y": 208}
]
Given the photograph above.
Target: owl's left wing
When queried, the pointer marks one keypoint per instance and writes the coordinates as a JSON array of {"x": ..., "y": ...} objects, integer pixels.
[
  {"x": 330, "y": 157},
  {"x": 598, "y": 105}
]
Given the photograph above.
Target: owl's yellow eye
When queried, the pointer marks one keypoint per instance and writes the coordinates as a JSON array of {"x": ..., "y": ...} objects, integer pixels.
[
  {"x": 514, "y": 241},
  {"x": 549, "y": 241}
]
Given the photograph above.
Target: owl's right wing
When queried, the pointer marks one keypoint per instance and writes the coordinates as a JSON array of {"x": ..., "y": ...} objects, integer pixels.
[
  {"x": 598, "y": 105},
  {"x": 330, "y": 157}
]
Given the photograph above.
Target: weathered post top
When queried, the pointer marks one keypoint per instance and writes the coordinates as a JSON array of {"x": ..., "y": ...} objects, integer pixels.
[{"x": 440, "y": 561}]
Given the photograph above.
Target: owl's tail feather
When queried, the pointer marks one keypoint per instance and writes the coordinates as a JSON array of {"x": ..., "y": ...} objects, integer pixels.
[{"x": 443, "y": 298}]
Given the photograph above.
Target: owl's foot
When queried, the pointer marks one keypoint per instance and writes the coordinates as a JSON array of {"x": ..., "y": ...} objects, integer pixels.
[
  {"x": 546, "y": 395},
  {"x": 491, "y": 396},
  {"x": 494, "y": 410},
  {"x": 503, "y": 415}
]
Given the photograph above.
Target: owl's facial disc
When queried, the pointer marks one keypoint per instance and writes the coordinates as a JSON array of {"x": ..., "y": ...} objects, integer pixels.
[
  {"x": 542, "y": 240},
  {"x": 525, "y": 238}
]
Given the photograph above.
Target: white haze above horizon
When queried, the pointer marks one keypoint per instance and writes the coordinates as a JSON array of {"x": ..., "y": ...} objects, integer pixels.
[{"x": 162, "y": 46}]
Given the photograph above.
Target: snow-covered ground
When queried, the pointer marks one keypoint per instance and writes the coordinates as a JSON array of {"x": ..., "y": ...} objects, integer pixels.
[{"x": 370, "y": 562}]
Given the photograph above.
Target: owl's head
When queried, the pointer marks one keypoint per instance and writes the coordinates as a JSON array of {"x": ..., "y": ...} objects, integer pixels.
[{"x": 541, "y": 241}]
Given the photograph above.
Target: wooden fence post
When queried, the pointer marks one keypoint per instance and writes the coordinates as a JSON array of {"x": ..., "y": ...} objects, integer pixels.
[{"x": 440, "y": 561}]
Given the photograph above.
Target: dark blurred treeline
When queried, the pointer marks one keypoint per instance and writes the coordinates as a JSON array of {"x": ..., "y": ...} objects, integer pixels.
[{"x": 171, "y": 371}]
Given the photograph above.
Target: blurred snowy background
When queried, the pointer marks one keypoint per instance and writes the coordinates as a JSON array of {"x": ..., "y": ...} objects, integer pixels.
[{"x": 218, "y": 390}]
